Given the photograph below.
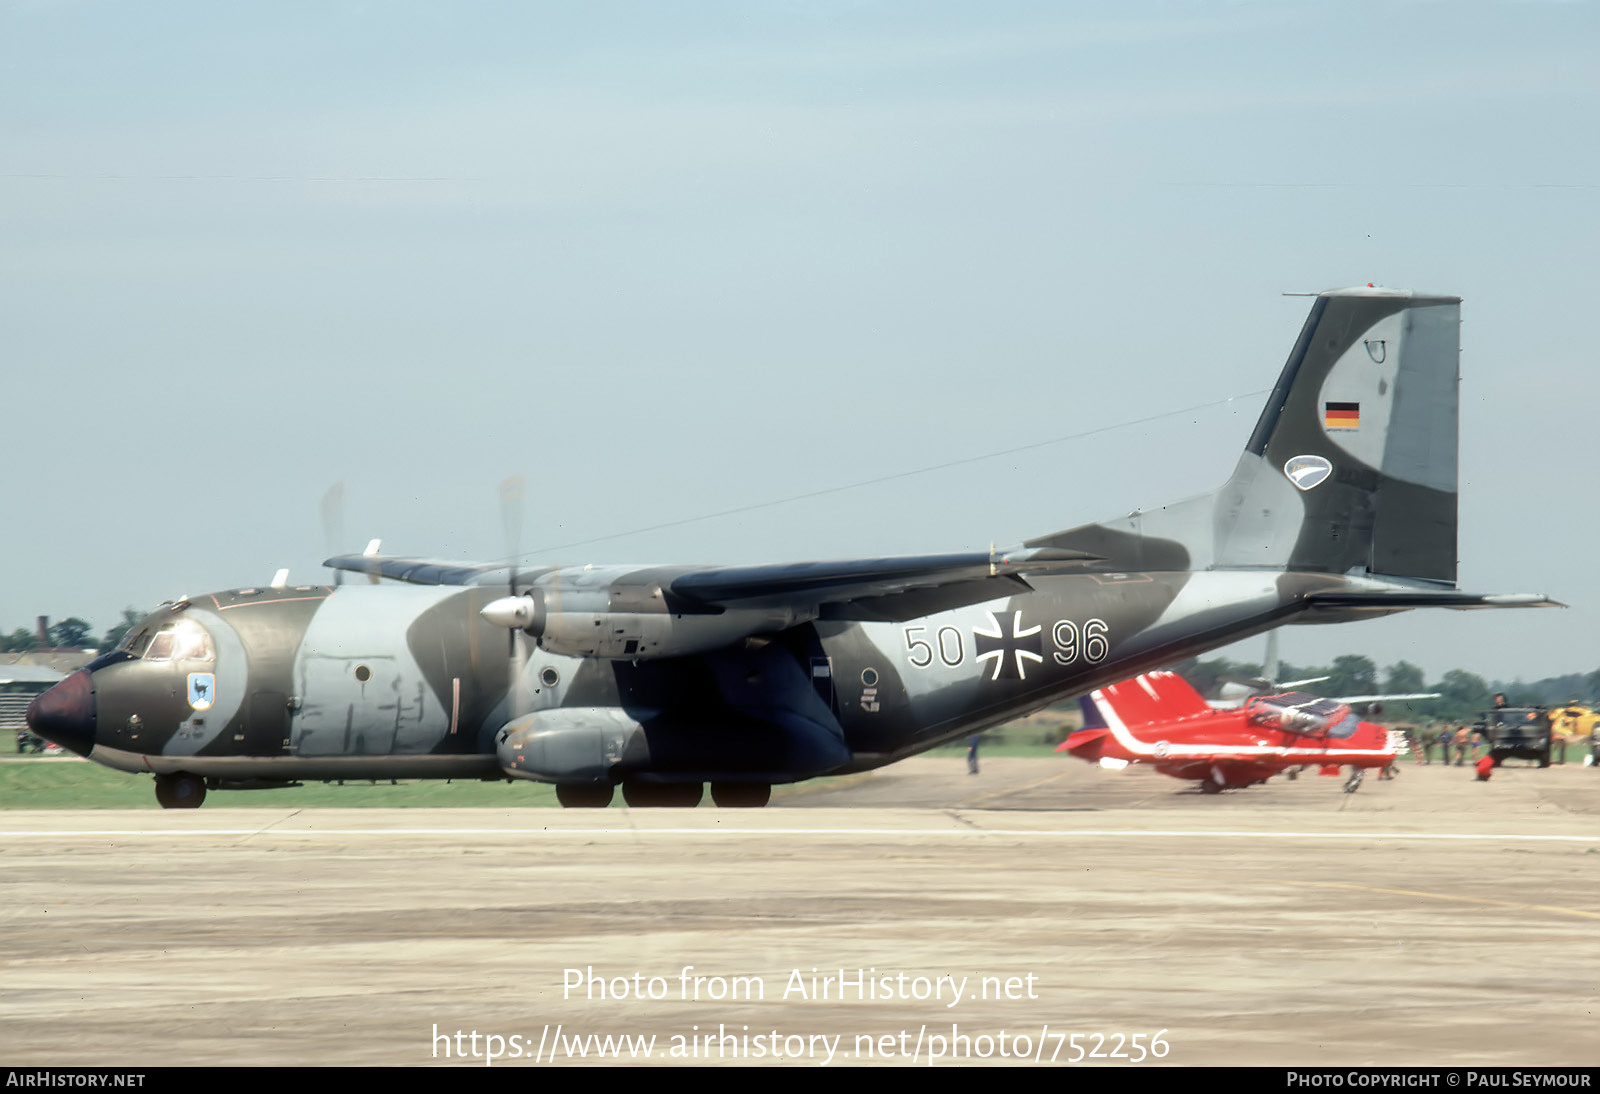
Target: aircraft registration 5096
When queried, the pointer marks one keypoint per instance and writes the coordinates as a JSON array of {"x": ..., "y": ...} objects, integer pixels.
[{"x": 663, "y": 679}]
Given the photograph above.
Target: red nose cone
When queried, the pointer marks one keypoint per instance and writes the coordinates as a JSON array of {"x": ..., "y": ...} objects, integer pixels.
[{"x": 65, "y": 713}]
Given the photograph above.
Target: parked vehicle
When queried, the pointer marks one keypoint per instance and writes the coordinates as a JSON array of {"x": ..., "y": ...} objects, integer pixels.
[{"x": 1521, "y": 733}]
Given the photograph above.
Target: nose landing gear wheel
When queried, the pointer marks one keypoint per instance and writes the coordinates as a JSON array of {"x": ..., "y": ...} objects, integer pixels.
[
  {"x": 741, "y": 795},
  {"x": 180, "y": 791}
]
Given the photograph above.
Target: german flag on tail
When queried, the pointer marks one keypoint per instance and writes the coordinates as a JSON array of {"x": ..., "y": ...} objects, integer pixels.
[{"x": 1341, "y": 416}]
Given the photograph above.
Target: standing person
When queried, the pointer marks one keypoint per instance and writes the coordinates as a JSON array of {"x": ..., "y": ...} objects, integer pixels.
[
  {"x": 1414, "y": 744},
  {"x": 1446, "y": 735},
  {"x": 972, "y": 754}
]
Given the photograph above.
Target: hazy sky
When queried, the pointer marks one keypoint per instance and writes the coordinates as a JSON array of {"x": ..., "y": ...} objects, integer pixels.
[{"x": 671, "y": 259}]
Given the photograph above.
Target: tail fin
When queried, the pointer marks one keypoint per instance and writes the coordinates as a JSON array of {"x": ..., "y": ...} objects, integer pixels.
[
  {"x": 1152, "y": 701},
  {"x": 1155, "y": 698},
  {"x": 1351, "y": 468}
]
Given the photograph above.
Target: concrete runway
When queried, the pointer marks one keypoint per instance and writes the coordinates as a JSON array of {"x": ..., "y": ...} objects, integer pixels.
[{"x": 1427, "y": 921}]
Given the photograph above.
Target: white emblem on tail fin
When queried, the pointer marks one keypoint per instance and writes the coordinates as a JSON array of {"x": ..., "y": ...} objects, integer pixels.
[{"x": 1307, "y": 471}]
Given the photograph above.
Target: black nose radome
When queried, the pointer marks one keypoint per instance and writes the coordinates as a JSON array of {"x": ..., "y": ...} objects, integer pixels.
[{"x": 65, "y": 713}]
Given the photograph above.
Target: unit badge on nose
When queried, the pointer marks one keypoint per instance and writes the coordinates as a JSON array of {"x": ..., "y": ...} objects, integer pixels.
[{"x": 202, "y": 685}]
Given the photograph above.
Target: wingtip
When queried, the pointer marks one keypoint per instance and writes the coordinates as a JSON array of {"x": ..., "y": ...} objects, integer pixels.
[{"x": 1522, "y": 600}]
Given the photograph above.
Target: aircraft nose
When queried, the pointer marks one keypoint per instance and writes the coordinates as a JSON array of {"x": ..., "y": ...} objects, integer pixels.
[{"x": 65, "y": 714}]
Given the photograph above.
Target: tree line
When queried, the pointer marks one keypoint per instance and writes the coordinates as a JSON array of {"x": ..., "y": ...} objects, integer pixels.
[{"x": 71, "y": 633}]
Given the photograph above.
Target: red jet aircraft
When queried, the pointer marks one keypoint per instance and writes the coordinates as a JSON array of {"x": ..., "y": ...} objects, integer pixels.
[{"x": 1158, "y": 719}]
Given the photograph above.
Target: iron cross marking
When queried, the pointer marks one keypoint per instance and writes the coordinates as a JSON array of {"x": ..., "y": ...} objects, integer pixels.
[{"x": 1010, "y": 651}]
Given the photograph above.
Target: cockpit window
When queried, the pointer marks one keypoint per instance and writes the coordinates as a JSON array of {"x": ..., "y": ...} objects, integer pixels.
[
  {"x": 1346, "y": 727},
  {"x": 191, "y": 642},
  {"x": 1303, "y": 714},
  {"x": 136, "y": 642},
  {"x": 160, "y": 647},
  {"x": 184, "y": 640}
]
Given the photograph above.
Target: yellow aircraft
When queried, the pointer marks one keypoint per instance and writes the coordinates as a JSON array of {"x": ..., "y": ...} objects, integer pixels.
[{"x": 1573, "y": 723}]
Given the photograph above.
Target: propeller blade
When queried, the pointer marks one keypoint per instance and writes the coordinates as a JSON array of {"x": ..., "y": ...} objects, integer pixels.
[
  {"x": 333, "y": 525},
  {"x": 511, "y": 495}
]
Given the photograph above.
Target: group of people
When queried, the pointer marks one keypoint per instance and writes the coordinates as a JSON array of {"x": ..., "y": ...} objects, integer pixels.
[
  {"x": 1460, "y": 742},
  {"x": 1574, "y": 723}
]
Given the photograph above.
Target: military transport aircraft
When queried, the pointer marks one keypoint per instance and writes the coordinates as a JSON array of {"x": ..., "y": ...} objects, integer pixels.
[
  {"x": 1158, "y": 719},
  {"x": 665, "y": 678}
]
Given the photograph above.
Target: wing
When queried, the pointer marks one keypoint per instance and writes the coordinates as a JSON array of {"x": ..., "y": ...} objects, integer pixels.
[
  {"x": 882, "y": 589},
  {"x": 886, "y": 589},
  {"x": 426, "y": 571}
]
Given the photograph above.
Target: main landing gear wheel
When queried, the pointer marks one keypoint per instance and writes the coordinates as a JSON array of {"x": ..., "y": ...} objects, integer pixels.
[
  {"x": 662, "y": 795},
  {"x": 1354, "y": 780},
  {"x": 1210, "y": 786},
  {"x": 180, "y": 791},
  {"x": 584, "y": 797},
  {"x": 741, "y": 795}
]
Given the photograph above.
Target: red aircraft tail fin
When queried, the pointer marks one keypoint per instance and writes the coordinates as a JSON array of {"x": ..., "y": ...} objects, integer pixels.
[{"x": 1152, "y": 697}]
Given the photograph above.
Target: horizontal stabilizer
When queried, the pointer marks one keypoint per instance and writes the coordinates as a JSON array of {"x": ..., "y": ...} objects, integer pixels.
[
  {"x": 1085, "y": 743},
  {"x": 1394, "y": 600}
]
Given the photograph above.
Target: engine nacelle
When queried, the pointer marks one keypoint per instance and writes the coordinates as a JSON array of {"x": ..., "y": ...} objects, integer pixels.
[
  {"x": 584, "y": 626},
  {"x": 573, "y": 745}
]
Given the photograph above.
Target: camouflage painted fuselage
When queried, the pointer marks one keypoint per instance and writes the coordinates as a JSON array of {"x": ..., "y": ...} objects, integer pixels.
[
  {"x": 389, "y": 681},
  {"x": 1343, "y": 505}
]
